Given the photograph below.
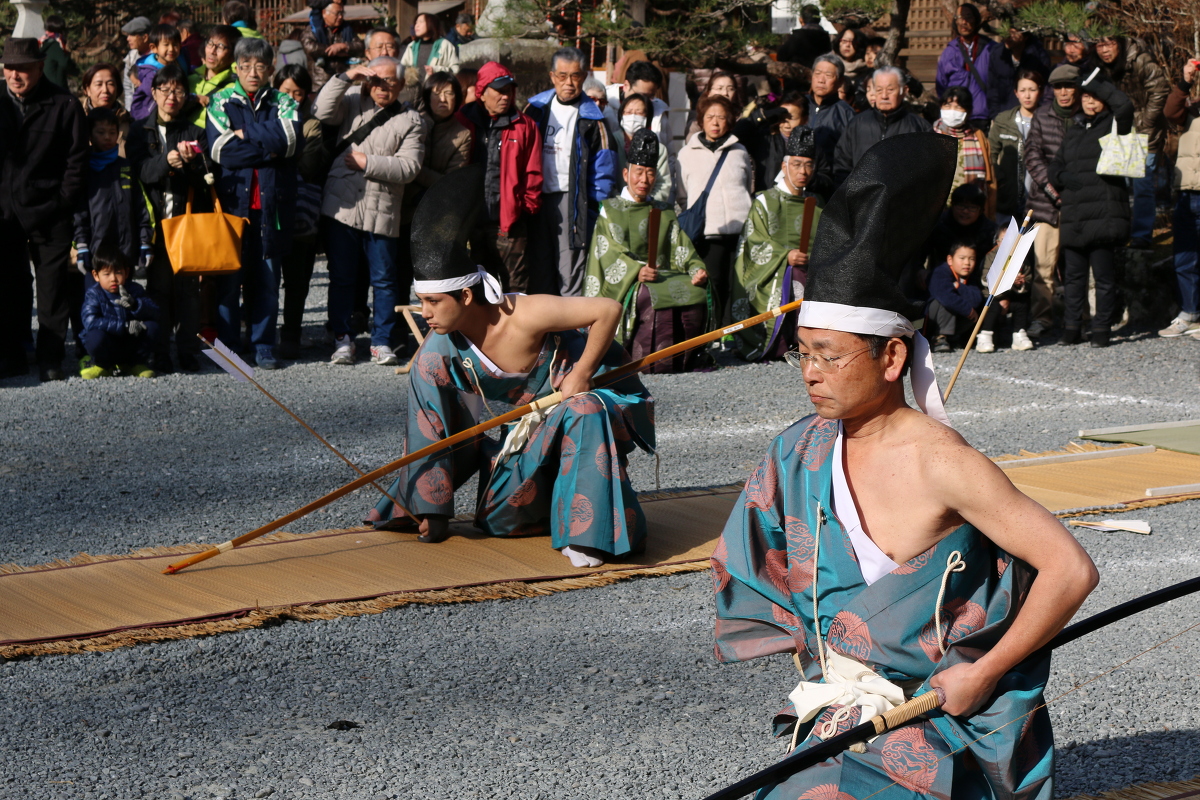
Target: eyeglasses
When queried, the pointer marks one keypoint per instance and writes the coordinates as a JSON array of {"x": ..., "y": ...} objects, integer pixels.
[
  {"x": 574, "y": 77},
  {"x": 256, "y": 67},
  {"x": 820, "y": 363},
  {"x": 171, "y": 92},
  {"x": 217, "y": 47},
  {"x": 390, "y": 83}
]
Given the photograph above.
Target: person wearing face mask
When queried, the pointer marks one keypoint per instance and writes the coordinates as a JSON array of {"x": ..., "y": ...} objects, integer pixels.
[
  {"x": 974, "y": 152},
  {"x": 635, "y": 115}
]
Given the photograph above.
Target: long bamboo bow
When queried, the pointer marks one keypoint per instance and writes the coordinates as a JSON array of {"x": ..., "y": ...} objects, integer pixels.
[
  {"x": 542, "y": 402},
  {"x": 929, "y": 701}
]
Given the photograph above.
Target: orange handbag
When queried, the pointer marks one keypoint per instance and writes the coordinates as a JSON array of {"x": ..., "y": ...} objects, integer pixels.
[{"x": 204, "y": 244}]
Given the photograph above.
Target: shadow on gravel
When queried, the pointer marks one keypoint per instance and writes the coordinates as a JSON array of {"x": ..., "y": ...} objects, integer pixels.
[{"x": 1105, "y": 764}]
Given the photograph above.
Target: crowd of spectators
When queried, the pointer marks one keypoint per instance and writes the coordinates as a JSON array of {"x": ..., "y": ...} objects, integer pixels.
[{"x": 314, "y": 145}]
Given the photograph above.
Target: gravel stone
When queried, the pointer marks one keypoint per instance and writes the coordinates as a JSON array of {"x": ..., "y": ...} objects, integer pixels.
[{"x": 600, "y": 693}]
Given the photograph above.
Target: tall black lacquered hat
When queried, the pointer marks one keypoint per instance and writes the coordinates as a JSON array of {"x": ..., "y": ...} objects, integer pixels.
[
  {"x": 643, "y": 148},
  {"x": 443, "y": 221},
  {"x": 801, "y": 142},
  {"x": 878, "y": 221}
]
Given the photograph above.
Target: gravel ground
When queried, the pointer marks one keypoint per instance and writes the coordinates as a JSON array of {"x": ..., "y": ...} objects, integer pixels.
[{"x": 604, "y": 693}]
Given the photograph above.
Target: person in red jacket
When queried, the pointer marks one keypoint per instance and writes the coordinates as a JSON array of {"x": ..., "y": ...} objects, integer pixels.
[{"x": 509, "y": 145}]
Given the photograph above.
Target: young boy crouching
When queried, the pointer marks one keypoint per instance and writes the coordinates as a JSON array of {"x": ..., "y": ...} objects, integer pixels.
[
  {"x": 119, "y": 327},
  {"x": 955, "y": 298}
]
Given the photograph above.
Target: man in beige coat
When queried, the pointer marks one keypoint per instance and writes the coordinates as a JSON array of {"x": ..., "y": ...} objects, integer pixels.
[{"x": 382, "y": 145}]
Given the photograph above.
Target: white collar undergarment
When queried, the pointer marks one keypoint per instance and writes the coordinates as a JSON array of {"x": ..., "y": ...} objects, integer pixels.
[
  {"x": 873, "y": 562},
  {"x": 492, "y": 368}
]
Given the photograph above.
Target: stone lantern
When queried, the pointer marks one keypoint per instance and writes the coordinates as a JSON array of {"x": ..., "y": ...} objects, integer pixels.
[{"x": 29, "y": 18}]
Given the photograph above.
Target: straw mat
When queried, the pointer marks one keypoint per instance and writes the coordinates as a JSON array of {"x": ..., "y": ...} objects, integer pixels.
[
  {"x": 1105, "y": 482},
  {"x": 99, "y": 603},
  {"x": 118, "y": 596},
  {"x": 1176, "y": 790},
  {"x": 1185, "y": 439}
]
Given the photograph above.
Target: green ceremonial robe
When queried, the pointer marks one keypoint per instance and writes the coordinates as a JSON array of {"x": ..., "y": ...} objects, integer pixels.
[
  {"x": 619, "y": 250},
  {"x": 762, "y": 278}
]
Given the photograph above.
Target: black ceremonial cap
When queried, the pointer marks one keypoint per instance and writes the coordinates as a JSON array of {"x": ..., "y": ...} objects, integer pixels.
[
  {"x": 801, "y": 142},
  {"x": 443, "y": 221},
  {"x": 643, "y": 148},
  {"x": 878, "y": 221}
]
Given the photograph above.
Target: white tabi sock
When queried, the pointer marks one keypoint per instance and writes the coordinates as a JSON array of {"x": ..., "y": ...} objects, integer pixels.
[{"x": 579, "y": 559}]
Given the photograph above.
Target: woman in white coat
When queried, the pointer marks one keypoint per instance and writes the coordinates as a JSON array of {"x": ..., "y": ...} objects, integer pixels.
[{"x": 729, "y": 200}]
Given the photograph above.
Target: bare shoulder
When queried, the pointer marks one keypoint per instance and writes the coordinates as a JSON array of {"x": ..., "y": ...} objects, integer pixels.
[{"x": 943, "y": 457}]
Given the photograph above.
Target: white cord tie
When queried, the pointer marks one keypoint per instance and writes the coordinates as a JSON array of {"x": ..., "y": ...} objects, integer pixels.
[{"x": 954, "y": 563}]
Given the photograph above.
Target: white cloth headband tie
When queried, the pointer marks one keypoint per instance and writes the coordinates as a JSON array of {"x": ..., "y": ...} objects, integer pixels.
[
  {"x": 877, "y": 322},
  {"x": 491, "y": 286}
]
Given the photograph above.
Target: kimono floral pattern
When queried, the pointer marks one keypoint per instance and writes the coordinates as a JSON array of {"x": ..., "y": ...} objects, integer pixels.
[
  {"x": 766, "y": 567},
  {"x": 619, "y": 250},
  {"x": 568, "y": 479},
  {"x": 762, "y": 279}
]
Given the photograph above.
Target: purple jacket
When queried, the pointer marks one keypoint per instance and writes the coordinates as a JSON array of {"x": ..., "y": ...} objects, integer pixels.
[
  {"x": 952, "y": 70},
  {"x": 147, "y": 67}
]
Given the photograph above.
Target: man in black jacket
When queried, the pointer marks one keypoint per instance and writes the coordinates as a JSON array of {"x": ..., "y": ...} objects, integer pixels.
[
  {"x": 45, "y": 151},
  {"x": 890, "y": 117},
  {"x": 808, "y": 41}
]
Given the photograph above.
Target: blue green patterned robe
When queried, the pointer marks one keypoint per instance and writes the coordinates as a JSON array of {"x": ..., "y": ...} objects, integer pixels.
[
  {"x": 763, "y": 573},
  {"x": 569, "y": 479}
]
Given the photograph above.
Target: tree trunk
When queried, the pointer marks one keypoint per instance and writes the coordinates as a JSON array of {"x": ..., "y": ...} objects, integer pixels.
[{"x": 896, "y": 38}]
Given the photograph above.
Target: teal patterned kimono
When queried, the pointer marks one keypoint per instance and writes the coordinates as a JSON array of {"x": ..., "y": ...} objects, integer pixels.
[
  {"x": 569, "y": 479},
  {"x": 763, "y": 572},
  {"x": 762, "y": 277}
]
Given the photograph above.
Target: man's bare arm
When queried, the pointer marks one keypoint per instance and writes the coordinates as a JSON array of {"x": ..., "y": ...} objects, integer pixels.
[
  {"x": 541, "y": 314},
  {"x": 984, "y": 496}
]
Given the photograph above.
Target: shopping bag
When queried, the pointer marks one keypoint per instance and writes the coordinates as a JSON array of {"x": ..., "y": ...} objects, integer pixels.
[
  {"x": 204, "y": 244},
  {"x": 1123, "y": 156}
]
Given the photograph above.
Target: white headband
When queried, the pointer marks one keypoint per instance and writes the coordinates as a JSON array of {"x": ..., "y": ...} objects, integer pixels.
[
  {"x": 877, "y": 322},
  {"x": 491, "y": 286}
]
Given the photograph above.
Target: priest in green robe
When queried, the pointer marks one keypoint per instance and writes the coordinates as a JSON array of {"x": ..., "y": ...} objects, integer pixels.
[
  {"x": 667, "y": 301},
  {"x": 771, "y": 269}
]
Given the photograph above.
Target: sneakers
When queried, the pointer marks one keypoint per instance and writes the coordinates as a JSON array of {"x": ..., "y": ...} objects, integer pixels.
[
  {"x": 1070, "y": 336},
  {"x": 984, "y": 342},
  {"x": 89, "y": 371},
  {"x": 384, "y": 356},
  {"x": 1021, "y": 341},
  {"x": 139, "y": 371},
  {"x": 1100, "y": 338},
  {"x": 344, "y": 354},
  {"x": 1038, "y": 329},
  {"x": 941, "y": 345},
  {"x": 264, "y": 357},
  {"x": 1180, "y": 327}
]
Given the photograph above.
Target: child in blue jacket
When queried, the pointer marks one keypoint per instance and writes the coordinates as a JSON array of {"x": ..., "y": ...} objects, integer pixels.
[
  {"x": 955, "y": 298},
  {"x": 119, "y": 327},
  {"x": 113, "y": 209},
  {"x": 166, "y": 45}
]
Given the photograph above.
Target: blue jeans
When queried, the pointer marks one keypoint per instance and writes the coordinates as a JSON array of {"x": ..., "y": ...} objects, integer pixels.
[
  {"x": 343, "y": 245},
  {"x": 1187, "y": 241},
  {"x": 1144, "y": 203},
  {"x": 258, "y": 281}
]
